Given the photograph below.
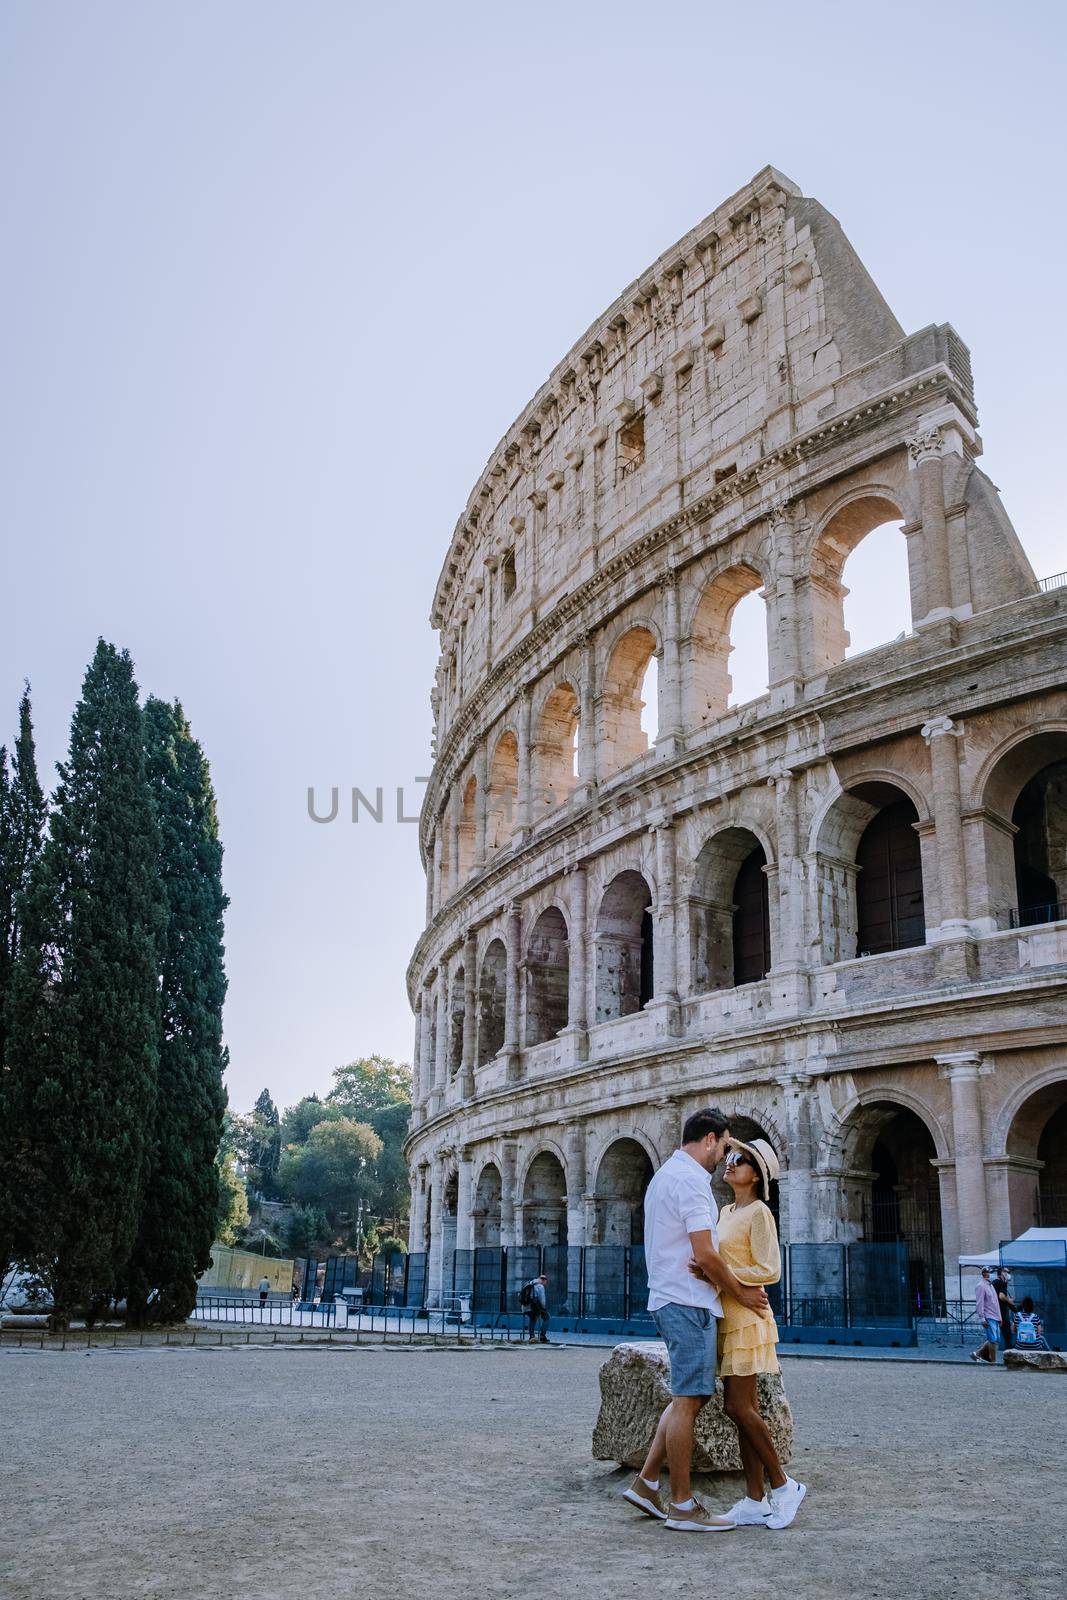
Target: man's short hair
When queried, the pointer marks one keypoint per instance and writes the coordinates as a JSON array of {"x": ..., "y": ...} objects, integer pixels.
[{"x": 701, "y": 1123}]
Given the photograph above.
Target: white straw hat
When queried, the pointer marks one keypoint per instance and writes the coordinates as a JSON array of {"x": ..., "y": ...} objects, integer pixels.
[{"x": 767, "y": 1163}]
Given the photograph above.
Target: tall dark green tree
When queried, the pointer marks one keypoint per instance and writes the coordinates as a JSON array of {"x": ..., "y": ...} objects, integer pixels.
[
  {"x": 265, "y": 1143},
  {"x": 181, "y": 1197},
  {"x": 83, "y": 1042}
]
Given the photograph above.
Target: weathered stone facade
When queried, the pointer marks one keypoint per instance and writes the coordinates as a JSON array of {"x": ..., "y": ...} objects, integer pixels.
[{"x": 804, "y": 908}]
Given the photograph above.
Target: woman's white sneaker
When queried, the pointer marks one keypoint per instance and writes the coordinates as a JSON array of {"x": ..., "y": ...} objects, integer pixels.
[
  {"x": 785, "y": 1503},
  {"x": 750, "y": 1513}
]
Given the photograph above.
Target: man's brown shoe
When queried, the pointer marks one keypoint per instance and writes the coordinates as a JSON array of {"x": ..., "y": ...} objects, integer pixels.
[
  {"x": 645, "y": 1499},
  {"x": 699, "y": 1520}
]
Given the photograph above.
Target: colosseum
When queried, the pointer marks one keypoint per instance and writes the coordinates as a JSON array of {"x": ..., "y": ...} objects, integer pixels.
[{"x": 838, "y": 909}]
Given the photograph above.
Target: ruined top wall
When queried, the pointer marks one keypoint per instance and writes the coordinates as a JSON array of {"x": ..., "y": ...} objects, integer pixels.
[{"x": 751, "y": 332}]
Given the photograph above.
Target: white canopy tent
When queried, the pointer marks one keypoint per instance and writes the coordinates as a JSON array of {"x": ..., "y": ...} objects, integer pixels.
[{"x": 1026, "y": 1251}]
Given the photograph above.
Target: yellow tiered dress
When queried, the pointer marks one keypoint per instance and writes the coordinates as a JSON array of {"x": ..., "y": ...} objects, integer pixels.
[{"x": 748, "y": 1243}]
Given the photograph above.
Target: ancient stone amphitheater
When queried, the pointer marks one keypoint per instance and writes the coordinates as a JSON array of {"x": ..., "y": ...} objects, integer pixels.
[{"x": 837, "y": 909}]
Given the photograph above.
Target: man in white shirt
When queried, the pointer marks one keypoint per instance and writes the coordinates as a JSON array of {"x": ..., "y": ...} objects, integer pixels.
[{"x": 680, "y": 1227}]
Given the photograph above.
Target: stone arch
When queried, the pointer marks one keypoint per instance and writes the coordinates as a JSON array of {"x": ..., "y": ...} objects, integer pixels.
[
  {"x": 467, "y": 827},
  {"x": 555, "y": 749},
  {"x": 502, "y": 796},
  {"x": 624, "y": 947},
  {"x": 622, "y": 739},
  {"x": 1031, "y": 1135},
  {"x": 1022, "y": 804},
  {"x": 869, "y": 871},
  {"x": 729, "y": 937},
  {"x": 488, "y": 1191},
  {"x": 547, "y": 977},
  {"x": 886, "y": 1144},
  {"x": 457, "y": 1009},
  {"x": 492, "y": 984},
  {"x": 544, "y": 1199},
  {"x": 838, "y": 534},
  {"x": 623, "y": 1174},
  {"x": 708, "y": 644}
]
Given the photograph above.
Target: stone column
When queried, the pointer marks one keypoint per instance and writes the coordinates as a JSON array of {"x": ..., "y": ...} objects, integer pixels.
[
  {"x": 440, "y": 1081},
  {"x": 426, "y": 1059},
  {"x": 435, "y": 874},
  {"x": 665, "y": 952},
  {"x": 481, "y": 804},
  {"x": 525, "y": 797},
  {"x": 464, "y": 1219},
  {"x": 453, "y": 842},
  {"x": 416, "y": 1218},
  {"x": 574, "y": 1138},
  {"x": 435, "y": 1264},
  {"x": 513, "y": 951},
  {"x": 925, "y": 451},
  {"x": 669, "y": 1126},
  {"x": 587, "y": 762},
  {"x": 431, "y": 853},
  {"x": 470, "y": 1016},
  {"x": 783, "y": 624},
  {"x": 796, "y": 1182},
  {"x": 963, "y": 1071},
  {"x": 416, "y": 1068},
  {"x": 669, "y": 731},
  {"x": 577, "y": 999},
  {"x": 508, "y": 1155},
  {"x": 790, "y": 873},
  {"x": 941, "y": 734}
]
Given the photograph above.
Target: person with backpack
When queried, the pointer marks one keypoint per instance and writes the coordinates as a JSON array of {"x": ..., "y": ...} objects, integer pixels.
[
  {"x": 533, "y": 1299},
  {"x": 1029, "y": 1328}
]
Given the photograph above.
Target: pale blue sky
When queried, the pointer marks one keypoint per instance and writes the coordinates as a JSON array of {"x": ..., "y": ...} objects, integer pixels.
[{"x": 275, "y": 280}]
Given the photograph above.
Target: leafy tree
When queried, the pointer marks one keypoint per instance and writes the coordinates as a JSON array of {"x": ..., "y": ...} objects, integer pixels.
[
  {"x": 391, "y": 1170},
  {"x": 232, "y": 1216},
  {"x": 308, "y": 1230},
  {"x": 265, "y": 1142},
  {"x": 181, "y": 1198},
  {"x": 84, "y": 1029},
  {"x": 299, "y": 1120},
  {"x": 373, "y": 1082},
  {"x": 334, "y": 1169},
  {"x": 391, "y": 1244},
  {"x": 23, "y": 813}
]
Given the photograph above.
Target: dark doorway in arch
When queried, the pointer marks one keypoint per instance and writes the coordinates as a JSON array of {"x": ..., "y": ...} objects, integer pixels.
[
  {"x": 647, "y": 979},
  {"x": 622, "y": 1178},
  {"x": 547, "y": 977},
  {"x": 491, "y": 994},
  {"x": 752, "y": 920},
  {"x": 1052, "y": 1190},
  {"x": 624, "y": 947},
  {"x": 889, "y": 893},
  {"x": 904, "y": 1202},
  {"x": 1040, "y": 815}
]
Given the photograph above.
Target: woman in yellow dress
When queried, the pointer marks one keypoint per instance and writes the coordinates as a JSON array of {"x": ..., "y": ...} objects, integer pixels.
[{"x": 748, "y": 1243}]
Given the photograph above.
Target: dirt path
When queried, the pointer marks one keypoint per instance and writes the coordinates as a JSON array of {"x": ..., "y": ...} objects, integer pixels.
[{"x": 277, "y": 1474}]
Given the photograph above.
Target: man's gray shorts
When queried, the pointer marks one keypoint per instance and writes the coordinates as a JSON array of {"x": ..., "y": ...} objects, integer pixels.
[{"x": 691, "y": 1336}]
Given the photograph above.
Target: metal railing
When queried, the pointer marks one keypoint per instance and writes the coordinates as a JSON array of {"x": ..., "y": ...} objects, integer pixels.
[
  {"x": 1034, "y": 916},
  {"x": 1057, "y": 581},
  {"x": 450, "y": 1321}
]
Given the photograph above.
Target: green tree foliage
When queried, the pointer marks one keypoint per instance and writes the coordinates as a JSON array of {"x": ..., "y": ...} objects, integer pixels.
[
  {"x": 264, "y": 1143},
  {"x": 308, "y": 1231},
  {"x": 299, "y": 1120},
  {"x": 84, "y": 1024},
  {"x": 232, "y": 1216},
  {"x": 391, "y": 1170},
  {"x": 368, "y": 1085},
  {"x": 181, "y": 1199},
  {"x": 334, "y": 1169},
  {"x": 23, "y": 813}
]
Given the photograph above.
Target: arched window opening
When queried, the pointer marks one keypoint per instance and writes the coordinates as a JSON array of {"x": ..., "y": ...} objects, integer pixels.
[
  {"x": 876, "y": 590},
  {"x": 845, "y": 531},
  {"x": 729, "y": 913},
  {"x": 1037, "y": 1160},
  {"x": 466, "y": 829},
  {"x": 556, "y": 749},
  {"x": 889, "y": 893},
  {"x": 624, "y": 948},
  {"x": 491, "y": 991},
  {"x": 544, "y": 1202},
  {"x": 1040, "y": 815},
  {"x": 503, "y": 796},
  {"x": 1052, "y": 1153},
  {"x": 547, "y": 977},
  {"x": 623, "y": 738},
  {"x": 896, "y": 1198},
  {"x": 751, "y": 920},
  {"x": 456, "y": 1012},
  {"x": 485, "y": 1213},
  {"x": 449, "y": 1211},
  {"x": 624, "y": 1174},
  {"x": 725, "y": 620},
  {"x": 650, "y": 702}
]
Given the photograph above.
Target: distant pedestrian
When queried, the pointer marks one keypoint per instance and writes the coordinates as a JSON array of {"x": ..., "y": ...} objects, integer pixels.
[
  {"x": 533, "y": 1298},
  {"x": 1002, "y": 1286},
  {"x": 264, "y": 1291},
  {"x": 1029, "y": 1328},
  {"x": 987, "y": 1307}
]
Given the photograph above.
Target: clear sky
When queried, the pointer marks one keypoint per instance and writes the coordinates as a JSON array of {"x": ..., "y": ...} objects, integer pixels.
[{"x": 275, "y": 280}]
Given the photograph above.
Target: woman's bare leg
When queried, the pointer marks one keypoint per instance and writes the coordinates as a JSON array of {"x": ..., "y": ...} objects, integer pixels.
[{"x": 742, "y": 1407}]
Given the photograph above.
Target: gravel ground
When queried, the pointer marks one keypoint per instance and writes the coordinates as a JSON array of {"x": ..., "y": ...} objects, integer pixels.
[{"x": 285, "y": 1473}]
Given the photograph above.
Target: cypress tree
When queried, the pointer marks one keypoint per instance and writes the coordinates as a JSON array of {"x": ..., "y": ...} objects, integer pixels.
[
  {"x": 22, "y": 819},
  {"x": 181, "y": 1200},
  {"x": 85, "y": 1016}
]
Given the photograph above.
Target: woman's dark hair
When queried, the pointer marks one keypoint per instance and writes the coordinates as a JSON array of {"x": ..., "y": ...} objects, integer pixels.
[
  {"x": 701, "y": 1123},
  {"x": 1027, "y": 1305},
  {"x": 761, "y": 1187}
]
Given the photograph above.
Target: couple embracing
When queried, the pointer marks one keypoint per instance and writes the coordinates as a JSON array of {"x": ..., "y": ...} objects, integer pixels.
[{"x": 705, "y": 1276}]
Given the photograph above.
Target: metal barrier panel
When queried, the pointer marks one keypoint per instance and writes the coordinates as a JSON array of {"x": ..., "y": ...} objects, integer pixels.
[
  {"x": 817, "y": 1285},
  {"x": 605, "y": 1280},
  {"x": 307, "y": 1288},
  {"x": 394, "y": 1278},
  {"x": 637, "y": 1283},
  {"x": 523, "y": 1263},
  {"x": 1047, "y": 1288},
  {"x": 463, "y": 1272},
  {"x": 488, "y": 1280},
  {"x": 415, "y": 1285},
  {"x": 376, "y": 1295},
  {"x": 554, "y": 1265},
  {"x": 878, "y": 1284}
]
